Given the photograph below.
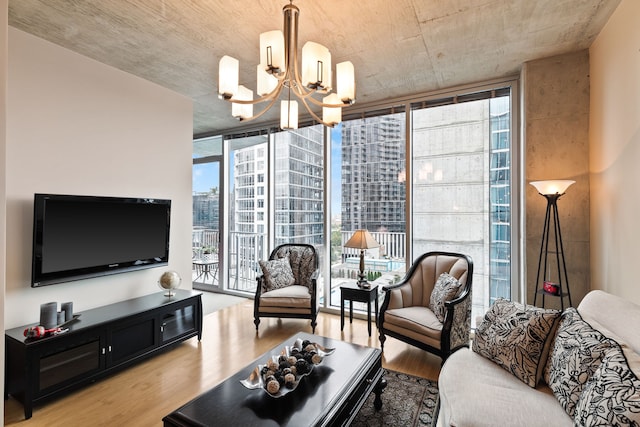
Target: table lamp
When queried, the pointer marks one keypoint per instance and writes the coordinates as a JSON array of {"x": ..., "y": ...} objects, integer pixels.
[{"x": 362, "y": 240}]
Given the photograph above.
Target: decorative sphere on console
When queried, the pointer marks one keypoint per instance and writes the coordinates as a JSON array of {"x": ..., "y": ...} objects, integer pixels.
[{"x": 169, "y": 280}]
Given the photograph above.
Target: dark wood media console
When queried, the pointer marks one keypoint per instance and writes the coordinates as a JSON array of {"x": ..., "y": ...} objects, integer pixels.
[{"x": 100, "y": 342}]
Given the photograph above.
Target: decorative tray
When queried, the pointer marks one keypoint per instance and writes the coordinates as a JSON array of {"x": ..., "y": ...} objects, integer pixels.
[{"x": 282, "y": 373}]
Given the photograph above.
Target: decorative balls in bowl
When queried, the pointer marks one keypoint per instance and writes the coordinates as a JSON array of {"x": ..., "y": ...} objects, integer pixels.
[{"x": 282, "y": 373}]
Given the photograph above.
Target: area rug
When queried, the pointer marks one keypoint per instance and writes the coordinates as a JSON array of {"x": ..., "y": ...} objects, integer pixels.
[{"x": 407, "y": 401}]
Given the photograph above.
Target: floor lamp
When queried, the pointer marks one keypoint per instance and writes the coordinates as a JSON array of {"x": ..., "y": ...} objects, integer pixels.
[
  {"x": 552, "y": 190},
  {"x": 362, "y": 240}
]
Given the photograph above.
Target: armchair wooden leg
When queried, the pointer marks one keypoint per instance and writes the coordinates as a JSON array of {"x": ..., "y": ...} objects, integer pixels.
[
  {"x": 256, "y": 320},
  {"x": 313, "y": 325}
]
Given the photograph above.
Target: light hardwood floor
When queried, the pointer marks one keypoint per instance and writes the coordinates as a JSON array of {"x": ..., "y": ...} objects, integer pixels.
[{"x": 143, "y": 394}]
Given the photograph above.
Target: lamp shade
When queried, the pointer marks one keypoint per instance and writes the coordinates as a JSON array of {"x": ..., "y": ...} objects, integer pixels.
[
  {"x": 272, "y": 51},
  {"x": 316, "y": 66},
  {"x": 266, "y": 82},
  {"x": 242, "y": 111},
  {"x": 228, "y": 77},
  {"x": 361, "y": 239},
  {"x": 331, "y": 116},
  {"x": 552, "y": 186},
  {"x": 345, "y": 82},
  {"x": 289, "y": 115}
]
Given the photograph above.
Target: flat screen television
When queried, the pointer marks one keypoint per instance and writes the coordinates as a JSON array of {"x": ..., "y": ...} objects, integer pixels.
[{"x": 79, "y": 237}]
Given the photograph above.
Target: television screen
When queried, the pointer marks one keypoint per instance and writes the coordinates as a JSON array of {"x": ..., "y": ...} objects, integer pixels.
[{"x": 78, "y": 237}]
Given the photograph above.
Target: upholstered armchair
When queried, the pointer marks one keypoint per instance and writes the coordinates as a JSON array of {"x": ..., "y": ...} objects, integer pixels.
[
  {"x": 431, "y": 307},
  {"x": 287, "y": 287}
]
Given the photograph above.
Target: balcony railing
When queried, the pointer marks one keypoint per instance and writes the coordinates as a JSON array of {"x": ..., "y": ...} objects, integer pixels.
[{"x": 246, "y": 249}]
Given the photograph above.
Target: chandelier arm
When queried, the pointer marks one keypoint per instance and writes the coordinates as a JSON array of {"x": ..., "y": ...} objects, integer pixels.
[
  {"x": 323, "y": 104},
  {"x": 271, "y": 96},
  {"x": 264, "y": 110},
  {"x": 314, "y": 115}
]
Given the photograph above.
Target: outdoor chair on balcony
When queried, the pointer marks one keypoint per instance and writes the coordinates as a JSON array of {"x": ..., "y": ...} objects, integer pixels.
[
  {"x": 287, "y": 287},
  {"x": 431, "y": 307}
]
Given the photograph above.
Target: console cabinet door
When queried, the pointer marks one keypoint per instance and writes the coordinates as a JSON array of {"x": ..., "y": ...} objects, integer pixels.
[
  {"x": 130, "y": 339},
  {"x": 68, "y": 362},
  {"x": 177, "y": 322}
]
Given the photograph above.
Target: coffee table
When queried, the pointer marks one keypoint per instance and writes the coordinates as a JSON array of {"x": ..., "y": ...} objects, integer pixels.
[{"x": 331, "y": 395}]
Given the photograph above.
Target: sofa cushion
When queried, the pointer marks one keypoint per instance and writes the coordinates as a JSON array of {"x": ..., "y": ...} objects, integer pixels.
[
  {"x": 611, "y": 397},
  {"x": 514, "y": 336},
  {"x": 577, "y": 352},
  {"x": 476, "y": 392},
  {"x": 277, "y": 273},
  {"x": 445, "y": 289}
]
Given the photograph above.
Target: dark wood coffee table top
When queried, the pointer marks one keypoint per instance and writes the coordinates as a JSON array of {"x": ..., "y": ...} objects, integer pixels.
[{"x": 331, "y": 395}]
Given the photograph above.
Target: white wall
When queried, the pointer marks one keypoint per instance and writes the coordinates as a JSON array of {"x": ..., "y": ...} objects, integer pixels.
[
  {"x": 4, "y": 7},
  {"x": 614, "y": 139},
  {"x": 76, "y": 126}
]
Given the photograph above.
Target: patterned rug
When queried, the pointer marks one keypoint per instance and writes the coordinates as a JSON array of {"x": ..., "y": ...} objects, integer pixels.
[{"x": 407, "y": 401}]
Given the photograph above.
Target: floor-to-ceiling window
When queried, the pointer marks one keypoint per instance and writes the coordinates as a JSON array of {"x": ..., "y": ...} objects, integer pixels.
[
  {"x": 368, "y": 191},
  {"x": 461, "y": 187},
  {"x": 275, "y": 195},
  {"x": 429, "y": 174}
]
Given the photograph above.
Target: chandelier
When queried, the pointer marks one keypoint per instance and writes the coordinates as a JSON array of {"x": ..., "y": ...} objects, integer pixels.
[{"x": 278, "y": 72}]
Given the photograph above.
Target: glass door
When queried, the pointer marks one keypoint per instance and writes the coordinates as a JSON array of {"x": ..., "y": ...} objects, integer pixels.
[
  {"x": 247, "y": 214},
  {"x": 205, "y": 237}
]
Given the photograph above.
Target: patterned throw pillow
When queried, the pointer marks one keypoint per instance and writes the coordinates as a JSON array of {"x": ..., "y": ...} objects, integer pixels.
[
  {"x": 445, "y": 289},
  {"x": 611, "y": 397},
  {"x": 513, "y": 336},
  {"x": 576, "y": 354},
  {"x": 277, "y": 273}
]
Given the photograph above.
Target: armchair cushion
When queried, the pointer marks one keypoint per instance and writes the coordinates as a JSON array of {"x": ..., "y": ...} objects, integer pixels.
[
  {"x": 416, "y": 322},
  {"x": 277, "y": 273},
  {"x": 514, "y": 336},
  {"x": 445, "y": 289},
  {"x": 290, "y": 296}
]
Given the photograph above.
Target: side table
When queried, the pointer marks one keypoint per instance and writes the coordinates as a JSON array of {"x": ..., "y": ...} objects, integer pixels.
[{"x": 352, "y": 292}]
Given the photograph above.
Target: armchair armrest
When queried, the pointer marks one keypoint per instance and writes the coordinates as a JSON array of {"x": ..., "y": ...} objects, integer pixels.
[{"x": 456, "y": 329}]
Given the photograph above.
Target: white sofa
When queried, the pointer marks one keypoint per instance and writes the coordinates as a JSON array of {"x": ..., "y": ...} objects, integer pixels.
[{"x": 475, "y": 391}]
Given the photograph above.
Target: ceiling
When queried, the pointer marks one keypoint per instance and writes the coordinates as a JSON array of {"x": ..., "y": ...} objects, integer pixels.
[{"x": 398, "y": 48}]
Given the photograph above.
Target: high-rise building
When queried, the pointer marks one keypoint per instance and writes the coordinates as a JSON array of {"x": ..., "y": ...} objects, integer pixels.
[
  {"x": 373, "y": 190},
  {"x": 298, "y": 186},
  {"x": 206, "y": 210}
]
